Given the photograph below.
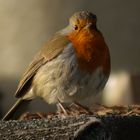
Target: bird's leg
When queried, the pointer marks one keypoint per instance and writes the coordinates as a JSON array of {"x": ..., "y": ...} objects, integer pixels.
[
  {"x": 60, "y": 106},
  {"x": 41, "y": 115},
  {"x": 83, "y": 107}
]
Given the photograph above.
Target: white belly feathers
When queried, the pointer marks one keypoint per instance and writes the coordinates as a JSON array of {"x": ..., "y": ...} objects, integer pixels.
[{"x": 61, "y": 79}]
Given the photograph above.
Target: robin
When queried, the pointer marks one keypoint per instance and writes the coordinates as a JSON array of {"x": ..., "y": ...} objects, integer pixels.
[{"x": 72, "y": 66}]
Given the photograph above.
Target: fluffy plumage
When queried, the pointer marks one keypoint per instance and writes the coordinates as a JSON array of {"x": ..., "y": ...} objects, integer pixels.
[
  {"x": 72, "y": 66},
  {"x": 62, "y": 79}
]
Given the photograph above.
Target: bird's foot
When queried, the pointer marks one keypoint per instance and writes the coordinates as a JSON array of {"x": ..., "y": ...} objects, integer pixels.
[
  {"x": 62, "y": 111},
  {"x": 29, "y": 116},
  {"x": 81, "y": 108}
]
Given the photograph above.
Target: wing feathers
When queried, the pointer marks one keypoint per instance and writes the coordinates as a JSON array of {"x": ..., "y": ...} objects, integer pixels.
[{"x": 51, "y": 50}]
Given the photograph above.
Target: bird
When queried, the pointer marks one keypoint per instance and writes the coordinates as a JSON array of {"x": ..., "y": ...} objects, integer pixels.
[{"x": 72, "y": 66}]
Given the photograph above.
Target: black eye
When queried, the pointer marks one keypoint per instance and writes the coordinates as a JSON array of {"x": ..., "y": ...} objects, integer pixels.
[{"x": 76, "y": 27}]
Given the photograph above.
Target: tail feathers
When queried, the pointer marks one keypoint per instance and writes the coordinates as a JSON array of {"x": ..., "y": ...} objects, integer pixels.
[{"x": 17, "y": 109}]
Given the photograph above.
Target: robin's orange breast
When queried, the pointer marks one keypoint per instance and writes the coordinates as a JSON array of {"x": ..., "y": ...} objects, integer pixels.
[{"x": 91, "y": 50}]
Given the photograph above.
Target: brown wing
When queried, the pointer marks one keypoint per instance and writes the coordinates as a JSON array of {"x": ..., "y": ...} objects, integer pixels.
[{"x": 51, "y": 50}]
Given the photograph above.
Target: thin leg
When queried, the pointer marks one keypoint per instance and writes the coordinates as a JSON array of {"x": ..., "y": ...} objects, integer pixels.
[
  {"x": 83, "y": 107},
  {"x": 41, "y": 115},
  {"x": 59, "y": 105}
]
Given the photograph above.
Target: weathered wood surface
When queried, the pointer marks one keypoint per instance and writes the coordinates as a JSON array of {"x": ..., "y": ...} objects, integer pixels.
[{"x": 109, "y": 126}]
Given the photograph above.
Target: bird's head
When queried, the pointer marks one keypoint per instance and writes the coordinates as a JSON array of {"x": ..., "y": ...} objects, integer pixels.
[{"x": 81, "y": 23}]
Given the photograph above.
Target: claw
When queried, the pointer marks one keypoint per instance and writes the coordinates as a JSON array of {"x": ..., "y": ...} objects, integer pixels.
[
  {"x": 61, "y": 107},
  {"x": 87, "y": 110}
]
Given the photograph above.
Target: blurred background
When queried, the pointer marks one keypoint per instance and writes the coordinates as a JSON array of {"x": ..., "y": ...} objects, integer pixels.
[{"x": 26, "y": 25}]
